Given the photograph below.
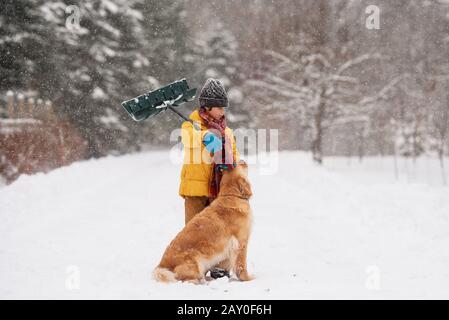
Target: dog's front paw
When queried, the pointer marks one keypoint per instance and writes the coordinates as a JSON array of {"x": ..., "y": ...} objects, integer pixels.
[{"x": 244, "y": 276}]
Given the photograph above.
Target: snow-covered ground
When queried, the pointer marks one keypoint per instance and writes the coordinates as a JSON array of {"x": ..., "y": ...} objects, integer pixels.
[{"x": 96, "y": 229}]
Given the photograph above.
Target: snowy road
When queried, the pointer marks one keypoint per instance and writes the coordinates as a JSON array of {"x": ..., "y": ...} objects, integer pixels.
[{"x": 96, "y": 229}]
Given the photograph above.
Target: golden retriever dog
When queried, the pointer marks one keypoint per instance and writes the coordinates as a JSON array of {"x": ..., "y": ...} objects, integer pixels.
[{"x": 218, "y": 235}]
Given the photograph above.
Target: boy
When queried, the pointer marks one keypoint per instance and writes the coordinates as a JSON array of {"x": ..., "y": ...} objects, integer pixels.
[{"x": 208, "y": 150}]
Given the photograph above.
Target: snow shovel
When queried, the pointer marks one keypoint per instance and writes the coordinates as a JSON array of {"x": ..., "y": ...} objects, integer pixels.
[{"x": 152, "y": 103}]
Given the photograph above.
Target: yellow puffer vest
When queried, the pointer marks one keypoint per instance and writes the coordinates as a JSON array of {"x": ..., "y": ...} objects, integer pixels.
[{"x": 196, "y": 171}]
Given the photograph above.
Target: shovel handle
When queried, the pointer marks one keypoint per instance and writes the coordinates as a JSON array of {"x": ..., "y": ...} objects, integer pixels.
[{"x": 195, "y": 125}]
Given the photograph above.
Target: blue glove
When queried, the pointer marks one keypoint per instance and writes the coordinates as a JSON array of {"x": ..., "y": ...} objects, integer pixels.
[{"x": 212, "y": 142}]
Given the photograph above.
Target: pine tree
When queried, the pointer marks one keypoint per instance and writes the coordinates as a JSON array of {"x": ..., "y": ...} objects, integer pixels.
[
  {"x": 25, "y": 43},
  {"x": 217, "y": 56}
]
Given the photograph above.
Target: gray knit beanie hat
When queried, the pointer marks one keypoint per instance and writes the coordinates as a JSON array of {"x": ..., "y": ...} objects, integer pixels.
[{"x": 213, "y": 94}]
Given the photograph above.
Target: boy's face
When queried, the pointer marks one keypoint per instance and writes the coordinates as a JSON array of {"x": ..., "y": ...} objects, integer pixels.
[{"x": 216, "y": 112}]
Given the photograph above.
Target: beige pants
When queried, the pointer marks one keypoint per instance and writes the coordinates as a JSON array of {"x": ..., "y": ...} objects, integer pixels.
[{"x": 193, "y": 206}]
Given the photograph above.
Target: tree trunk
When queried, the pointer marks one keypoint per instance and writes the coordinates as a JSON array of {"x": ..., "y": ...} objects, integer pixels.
[
  {"x": 361, "y": 146},
  {"x": 443, "y": 173},
  {"x": 317, "y": 143},
  {"x": 396, "y": 171}
]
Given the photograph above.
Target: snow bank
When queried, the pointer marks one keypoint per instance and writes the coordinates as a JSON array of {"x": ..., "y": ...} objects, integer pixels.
[{"x": 96, "y": 229}]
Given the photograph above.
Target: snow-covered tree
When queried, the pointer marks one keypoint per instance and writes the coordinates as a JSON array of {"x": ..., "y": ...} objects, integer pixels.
[
  {"x": 25, "y": 45},
  {"x": 316, "y": 88},
  {"x": 215, "y": 51}
]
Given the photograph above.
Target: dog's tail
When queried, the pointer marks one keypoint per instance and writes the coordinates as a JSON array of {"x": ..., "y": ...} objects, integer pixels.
[{"x": 163, "y": 275}]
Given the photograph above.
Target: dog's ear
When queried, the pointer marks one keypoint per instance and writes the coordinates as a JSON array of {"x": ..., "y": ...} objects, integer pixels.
[
  {"x": 244, "y": 187},
  {"x": 243, "y": 164}
]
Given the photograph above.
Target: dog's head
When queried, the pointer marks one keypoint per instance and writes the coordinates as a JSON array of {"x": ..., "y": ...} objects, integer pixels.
[{"x": 236, "y": 181}]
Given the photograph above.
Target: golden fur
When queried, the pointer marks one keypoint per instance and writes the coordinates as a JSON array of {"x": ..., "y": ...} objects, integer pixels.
[{"x": 217, "y": 236}]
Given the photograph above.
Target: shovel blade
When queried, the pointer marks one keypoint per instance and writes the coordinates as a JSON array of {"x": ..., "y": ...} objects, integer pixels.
[{"x": 152, "y": 103}]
